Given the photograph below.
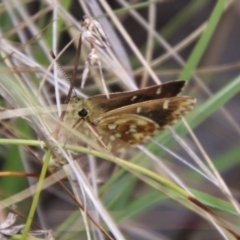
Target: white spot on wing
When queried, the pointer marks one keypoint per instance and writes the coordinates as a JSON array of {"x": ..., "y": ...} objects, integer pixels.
[
  {"x": 112, "y": 138},
  {"x": 139, "y": 109},
  {"x": 159, "y": 90},
  {"x": 132, "y": 130},
  {"x": 111, "y": 126},
  {"x": 165, "y": 104},
  {"x": 133, "y": 98},
  {"x": 118, "y": 135}
]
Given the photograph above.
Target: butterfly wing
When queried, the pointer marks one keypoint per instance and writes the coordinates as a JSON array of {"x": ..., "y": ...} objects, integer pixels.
[
  {"x": 118, "y": 100},
  {"x": 162, "y": 111},
  {"x": 134, "y": 124},
  {"x": 129, "y": 129}
]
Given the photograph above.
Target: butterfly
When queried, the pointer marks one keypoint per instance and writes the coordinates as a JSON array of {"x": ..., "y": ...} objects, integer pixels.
[{"x": 125, "y": 118}]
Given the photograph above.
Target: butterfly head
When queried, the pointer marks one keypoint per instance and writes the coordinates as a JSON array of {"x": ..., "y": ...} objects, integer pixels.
[
  {"x": 76, "y": 109},
  {"x": 81, "y": 108}
]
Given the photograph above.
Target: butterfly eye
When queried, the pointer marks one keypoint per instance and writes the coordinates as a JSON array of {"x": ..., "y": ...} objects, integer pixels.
[{"x": 83, "y": 113}]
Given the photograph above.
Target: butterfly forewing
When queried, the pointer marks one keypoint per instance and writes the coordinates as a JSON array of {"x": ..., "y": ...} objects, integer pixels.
[{"x": 121, "y": 99}]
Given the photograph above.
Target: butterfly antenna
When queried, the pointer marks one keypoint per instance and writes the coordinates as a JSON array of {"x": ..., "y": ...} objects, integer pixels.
[
  {"x": 76, "y": 63},
  {"x": 55, "y": 134},
  {"x": 65, "y": 76}
]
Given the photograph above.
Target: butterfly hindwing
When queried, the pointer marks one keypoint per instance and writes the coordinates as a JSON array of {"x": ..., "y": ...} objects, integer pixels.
[
  {"x": 129, "y": 129},
  {"x": 134, "y": 124}
]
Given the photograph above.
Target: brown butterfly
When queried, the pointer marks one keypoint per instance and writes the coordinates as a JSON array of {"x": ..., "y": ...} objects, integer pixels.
[{"x": 126, "y": 118}]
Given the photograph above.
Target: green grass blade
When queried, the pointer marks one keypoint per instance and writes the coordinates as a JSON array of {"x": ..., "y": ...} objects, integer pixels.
[{"x": 203, "y": 41}]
